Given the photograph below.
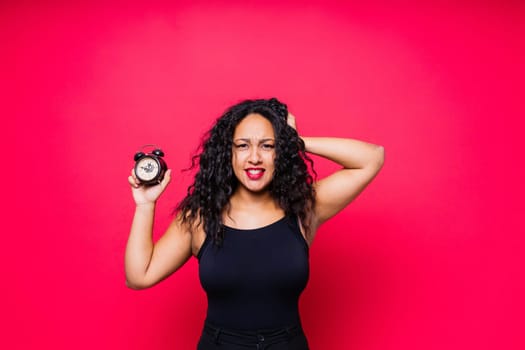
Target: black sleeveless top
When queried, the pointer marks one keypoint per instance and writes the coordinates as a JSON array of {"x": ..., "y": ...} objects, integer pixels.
[{"x": 253, "y": 281}]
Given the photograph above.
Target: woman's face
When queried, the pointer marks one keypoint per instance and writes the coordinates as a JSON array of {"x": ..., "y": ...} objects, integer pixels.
[{"x": 253, "y": 152}]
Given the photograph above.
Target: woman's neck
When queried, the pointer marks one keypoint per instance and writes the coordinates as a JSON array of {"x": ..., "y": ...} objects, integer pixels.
[
  {"x": 251, "y": 210},
  {"x": 247, "y": 199}
]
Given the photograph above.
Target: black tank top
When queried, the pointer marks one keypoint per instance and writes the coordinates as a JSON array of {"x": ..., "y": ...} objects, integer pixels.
[{"x": 253, "y": 281}]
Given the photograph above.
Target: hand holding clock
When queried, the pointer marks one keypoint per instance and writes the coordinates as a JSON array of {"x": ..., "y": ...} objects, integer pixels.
[{"x": 147, "y": 194}]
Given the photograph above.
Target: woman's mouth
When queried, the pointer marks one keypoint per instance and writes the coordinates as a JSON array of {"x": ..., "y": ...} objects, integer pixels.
[{"x": 254, "y": 173}]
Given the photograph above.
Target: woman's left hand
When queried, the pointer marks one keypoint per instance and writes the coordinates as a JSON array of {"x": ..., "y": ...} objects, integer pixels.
[{"x": 290, "y": 119}]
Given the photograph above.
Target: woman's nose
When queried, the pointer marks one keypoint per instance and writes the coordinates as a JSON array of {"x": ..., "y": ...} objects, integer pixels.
[{"x": 254, "y": 156}]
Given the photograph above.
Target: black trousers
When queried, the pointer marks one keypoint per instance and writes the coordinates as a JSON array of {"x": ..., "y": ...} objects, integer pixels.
[{"x": 217, "y": 338}]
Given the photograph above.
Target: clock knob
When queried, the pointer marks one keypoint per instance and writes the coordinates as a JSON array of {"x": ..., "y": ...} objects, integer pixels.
[
  {"x": 158, "y": 152},
  {"x": 138, "y": 155}
]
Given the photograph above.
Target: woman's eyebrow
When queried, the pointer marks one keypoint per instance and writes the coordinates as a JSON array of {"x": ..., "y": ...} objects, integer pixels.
[{"x": 249, "y": 140}]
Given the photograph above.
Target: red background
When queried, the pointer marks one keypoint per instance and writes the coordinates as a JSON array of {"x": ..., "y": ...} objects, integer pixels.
[{"x": 430, "y": 256}]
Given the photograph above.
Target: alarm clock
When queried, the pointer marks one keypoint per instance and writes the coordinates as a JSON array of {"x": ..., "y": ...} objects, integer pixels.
[{"x": 150, "y": 167}]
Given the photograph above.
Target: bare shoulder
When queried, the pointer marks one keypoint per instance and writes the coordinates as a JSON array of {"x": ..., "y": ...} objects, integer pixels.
[{"x": 194, "y": 231}]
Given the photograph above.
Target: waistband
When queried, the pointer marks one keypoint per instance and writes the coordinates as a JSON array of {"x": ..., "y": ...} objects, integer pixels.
[{"x": 257, "y": 338}]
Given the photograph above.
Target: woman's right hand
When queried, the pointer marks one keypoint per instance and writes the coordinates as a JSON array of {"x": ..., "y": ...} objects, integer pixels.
[{"x": 147, "y": 194}]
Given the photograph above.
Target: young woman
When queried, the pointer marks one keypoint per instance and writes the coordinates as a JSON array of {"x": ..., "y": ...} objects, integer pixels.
[{"x": 250, "y": 217}]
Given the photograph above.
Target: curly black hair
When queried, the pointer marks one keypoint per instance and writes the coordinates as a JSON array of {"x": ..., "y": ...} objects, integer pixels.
[{"x": 215, "y": 181}]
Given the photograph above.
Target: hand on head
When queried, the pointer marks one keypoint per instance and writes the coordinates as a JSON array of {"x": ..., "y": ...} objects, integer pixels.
[{"x": 290, "y": 119}]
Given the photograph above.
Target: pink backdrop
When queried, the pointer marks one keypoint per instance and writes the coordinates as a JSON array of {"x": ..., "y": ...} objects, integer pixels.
[{"x": 430, "y": 256}]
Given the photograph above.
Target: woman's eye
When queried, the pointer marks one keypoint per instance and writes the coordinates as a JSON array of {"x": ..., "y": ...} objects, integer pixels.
[
  {"x": 268, "y": 146},
  {"x": 241, "y": 146}
]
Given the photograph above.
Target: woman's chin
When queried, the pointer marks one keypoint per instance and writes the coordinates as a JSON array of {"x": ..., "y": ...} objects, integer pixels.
[{"x": 257, "y": 188}]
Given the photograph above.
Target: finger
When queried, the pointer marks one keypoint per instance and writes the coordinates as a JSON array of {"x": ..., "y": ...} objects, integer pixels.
[
  {"x": 137, "y": 181},
  {"x": 167, "y": 178},
  {"x": 291, "y": 120},
  {"x": 133, "y": 175},
  {"x": 133, "y": 182}
]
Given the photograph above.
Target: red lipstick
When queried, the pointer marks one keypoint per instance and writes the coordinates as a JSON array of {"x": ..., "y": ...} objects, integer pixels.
[{"x": 254, "y": 173}]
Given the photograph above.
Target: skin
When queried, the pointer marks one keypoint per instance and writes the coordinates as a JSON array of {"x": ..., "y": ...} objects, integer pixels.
[
  {"x": 251, "y": 206},
  {"x": 253, "y": 150}
]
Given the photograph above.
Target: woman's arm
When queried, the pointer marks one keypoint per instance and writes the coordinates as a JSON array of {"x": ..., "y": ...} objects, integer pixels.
[
  {"x": 360, "y": 161},
  {"x": 147, "y": 263}
]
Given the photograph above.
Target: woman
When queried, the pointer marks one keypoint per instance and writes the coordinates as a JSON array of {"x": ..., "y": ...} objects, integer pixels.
[{"x": 250, "y": 217}]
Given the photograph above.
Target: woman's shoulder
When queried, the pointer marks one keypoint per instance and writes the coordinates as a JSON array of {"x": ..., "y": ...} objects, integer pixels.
[{"x": 192, "y": 225}]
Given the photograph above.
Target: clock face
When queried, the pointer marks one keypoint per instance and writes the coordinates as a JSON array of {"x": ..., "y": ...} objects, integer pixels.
[{"x": 147, "y": 169}]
